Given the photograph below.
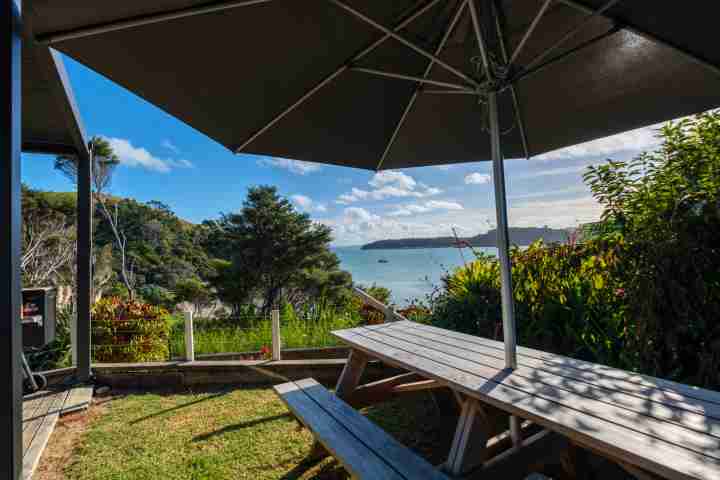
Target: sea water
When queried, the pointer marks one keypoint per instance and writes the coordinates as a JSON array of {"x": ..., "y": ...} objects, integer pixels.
[{"x": 410, "y": 274}]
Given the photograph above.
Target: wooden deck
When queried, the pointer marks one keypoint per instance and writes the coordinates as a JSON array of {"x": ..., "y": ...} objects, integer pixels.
[
  {"x": 664, "y": 427},
  {"x": 41, "y": 411}
]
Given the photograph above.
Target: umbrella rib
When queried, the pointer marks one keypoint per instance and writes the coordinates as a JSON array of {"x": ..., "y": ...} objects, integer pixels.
[
  {"x": 480, "y": 39},
  {"x": 126, "y": 23},
  {"x": 413, "y": 98},
  {"x": 382, "y": 73},
  {"x": 513, "y": 92},
  {"x": 329, "y": 78},
  {"x": 571, "y": 33},
  {"x": 440, "y": 92},
  {"x": 529, "y": 31},
  {"x": 404, "y": 41}
]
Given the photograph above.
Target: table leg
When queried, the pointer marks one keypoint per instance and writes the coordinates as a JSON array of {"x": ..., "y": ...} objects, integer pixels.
[
  {"x": 351, "y": 374},
  {"x": 471, "y": 436}
]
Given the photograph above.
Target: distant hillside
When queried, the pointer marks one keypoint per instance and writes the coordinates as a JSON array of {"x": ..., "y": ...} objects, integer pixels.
[{"x": 518, "y": 236}]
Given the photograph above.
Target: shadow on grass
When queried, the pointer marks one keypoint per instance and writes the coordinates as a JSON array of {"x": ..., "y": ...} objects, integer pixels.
[
  {"x": 179, "y": 407},
  {"x": 239, "y": 426},
  {"x": 329, "y": 471}
]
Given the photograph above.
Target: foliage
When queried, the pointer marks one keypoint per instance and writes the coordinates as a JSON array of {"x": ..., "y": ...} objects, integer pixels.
[
  {"x": 48, "y": 242},
  {"x": 195, "y": 292},
  {"x": 129, "y": 331},
  {"x": 56, "y": 354},
  {"x": 568, "y": 299},
  {"x": 666, "y": 204},
  {"x": 157, "y": 295},
  {"x": 642, "y": 289},
  {"x": 309, "y": 325},
  {"x": 269, "y": 246}
]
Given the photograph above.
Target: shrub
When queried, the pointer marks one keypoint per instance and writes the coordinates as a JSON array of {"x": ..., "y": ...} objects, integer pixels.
[
  {"x": 129, "y": 331},
  {"x": 568, "y": 299}
]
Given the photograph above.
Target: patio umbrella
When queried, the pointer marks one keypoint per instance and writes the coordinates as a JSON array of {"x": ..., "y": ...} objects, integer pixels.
[{"x": 402, "y": 83}]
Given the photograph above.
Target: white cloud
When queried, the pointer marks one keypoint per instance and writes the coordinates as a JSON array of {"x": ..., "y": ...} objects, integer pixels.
[
  {"x": 389, "y": 184},
  {"x": 307, "y": 204},
  {"x": 633, "y": 141},
  {"x": 132, "y": 156},
  {"x": 551, "y": 172},
  {"x": 476, "y": 178},
  {"x": 444, "y": 167},
  {"x": 298, "y": 167},
  {"x": 170, "y": 146},
  {"x": 426, "y": 207},
  {"x": 357, "y": 225},
  {"x": 392, "y": 177}
]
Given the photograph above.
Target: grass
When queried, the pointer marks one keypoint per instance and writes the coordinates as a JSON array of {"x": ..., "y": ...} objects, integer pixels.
[
  {"x": 310, "y": 327},
  {"x": 244, "y": 433}
]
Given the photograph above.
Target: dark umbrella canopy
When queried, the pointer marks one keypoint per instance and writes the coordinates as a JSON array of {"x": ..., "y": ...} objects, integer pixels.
[
  {"x": 303, "y": 79},
  {"x": 403, "y": 83}
]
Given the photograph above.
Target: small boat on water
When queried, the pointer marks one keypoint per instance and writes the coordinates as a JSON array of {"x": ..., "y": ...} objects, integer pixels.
[{"x": 383, "y": 260}]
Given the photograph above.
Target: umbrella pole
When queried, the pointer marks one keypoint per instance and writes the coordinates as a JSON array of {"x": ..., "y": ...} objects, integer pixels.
[{"x": 503, "y": 242}]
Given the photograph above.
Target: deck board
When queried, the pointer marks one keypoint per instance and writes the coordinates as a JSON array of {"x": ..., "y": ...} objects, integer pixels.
[
  {"x": 41, "y": 412},
  {"x": 583, "y": 412}
]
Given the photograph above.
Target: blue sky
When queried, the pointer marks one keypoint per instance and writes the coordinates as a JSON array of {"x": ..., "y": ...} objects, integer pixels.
[{"x": 164, "y": 159}]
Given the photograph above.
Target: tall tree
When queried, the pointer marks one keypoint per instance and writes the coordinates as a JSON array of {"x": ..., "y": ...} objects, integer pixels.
[
  {"x": 269, "y": 244},
  {"x": 104, "y": 163}
]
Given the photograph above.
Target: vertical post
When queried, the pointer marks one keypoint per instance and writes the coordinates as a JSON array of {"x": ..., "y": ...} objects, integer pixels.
[
  {"x": 73, "y": 338},
  {"x": 189, "y": 339},
  {"x": 10, "y": 249},
  {"x": 84, "y": 265},
  {"x": 276, "y": 340},
  {"x": 503, "y": 241}
]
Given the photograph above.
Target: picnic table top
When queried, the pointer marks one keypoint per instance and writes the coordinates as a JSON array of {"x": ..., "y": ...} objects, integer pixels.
[{"x": 664, "y": 427}]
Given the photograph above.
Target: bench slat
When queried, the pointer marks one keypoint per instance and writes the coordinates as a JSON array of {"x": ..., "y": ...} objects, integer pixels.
[
  {"x": 568, "y": 418},
  {"x": 393, "y": 452},
  {"x": 364, "y": 449}
]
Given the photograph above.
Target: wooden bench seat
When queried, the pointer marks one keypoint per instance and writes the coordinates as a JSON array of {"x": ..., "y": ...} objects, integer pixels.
[{"x": 364, "y": 449}]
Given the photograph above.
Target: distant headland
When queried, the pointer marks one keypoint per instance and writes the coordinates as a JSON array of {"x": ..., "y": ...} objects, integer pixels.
[{"x": 518, "y": 236}]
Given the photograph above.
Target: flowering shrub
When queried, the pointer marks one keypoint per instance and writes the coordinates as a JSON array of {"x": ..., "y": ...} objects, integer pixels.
[{"x": 129, "y": 331}]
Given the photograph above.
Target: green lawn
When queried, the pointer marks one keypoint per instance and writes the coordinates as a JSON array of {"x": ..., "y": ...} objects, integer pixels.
[{"x": 243, "y": 433}]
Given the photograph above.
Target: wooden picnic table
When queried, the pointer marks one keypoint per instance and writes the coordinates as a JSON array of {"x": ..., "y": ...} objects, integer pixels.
[{"x": 647, "y": 425}]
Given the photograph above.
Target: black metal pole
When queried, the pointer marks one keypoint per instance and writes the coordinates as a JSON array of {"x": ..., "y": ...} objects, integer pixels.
[
  {"x": 84, "y": 266},
  {"x": 10, "y": 219}
]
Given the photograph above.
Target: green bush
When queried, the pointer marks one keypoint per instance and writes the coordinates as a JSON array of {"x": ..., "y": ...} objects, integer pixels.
[
  {"x": 568, "y": 299},
  {"x": 642, "y": 290},
  {"x": 129, "y": 331}
]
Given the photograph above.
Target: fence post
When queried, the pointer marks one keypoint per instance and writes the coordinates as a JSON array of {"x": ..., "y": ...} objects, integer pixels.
[
  {"x": 276, "y": 341},
  {"x": 189, "y": 341},
  {"x": 73, "y": 338}
]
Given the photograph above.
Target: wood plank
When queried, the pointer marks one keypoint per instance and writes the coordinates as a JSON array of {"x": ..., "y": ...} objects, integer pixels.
[
  {"x": 617, "y": 441},
  {"x": 378, "y": 391},
  {"x": 351, "y": 374},
  {"x": 555, "y": 389},
  {"x": 32, "y": 454},
  {"x": 392, "y": 452},
  {"x": 79, "y": 398},
  {"x": 355, "y": 456},
  {"x": 418, "y": 386},
  {"x": 32, "y": 424},
  {"x": 471, "y": 437},
  {"x": 600, "y": 390},
  {"x": 593, "y": 370},
  {"x": 519, "y": 462}
]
